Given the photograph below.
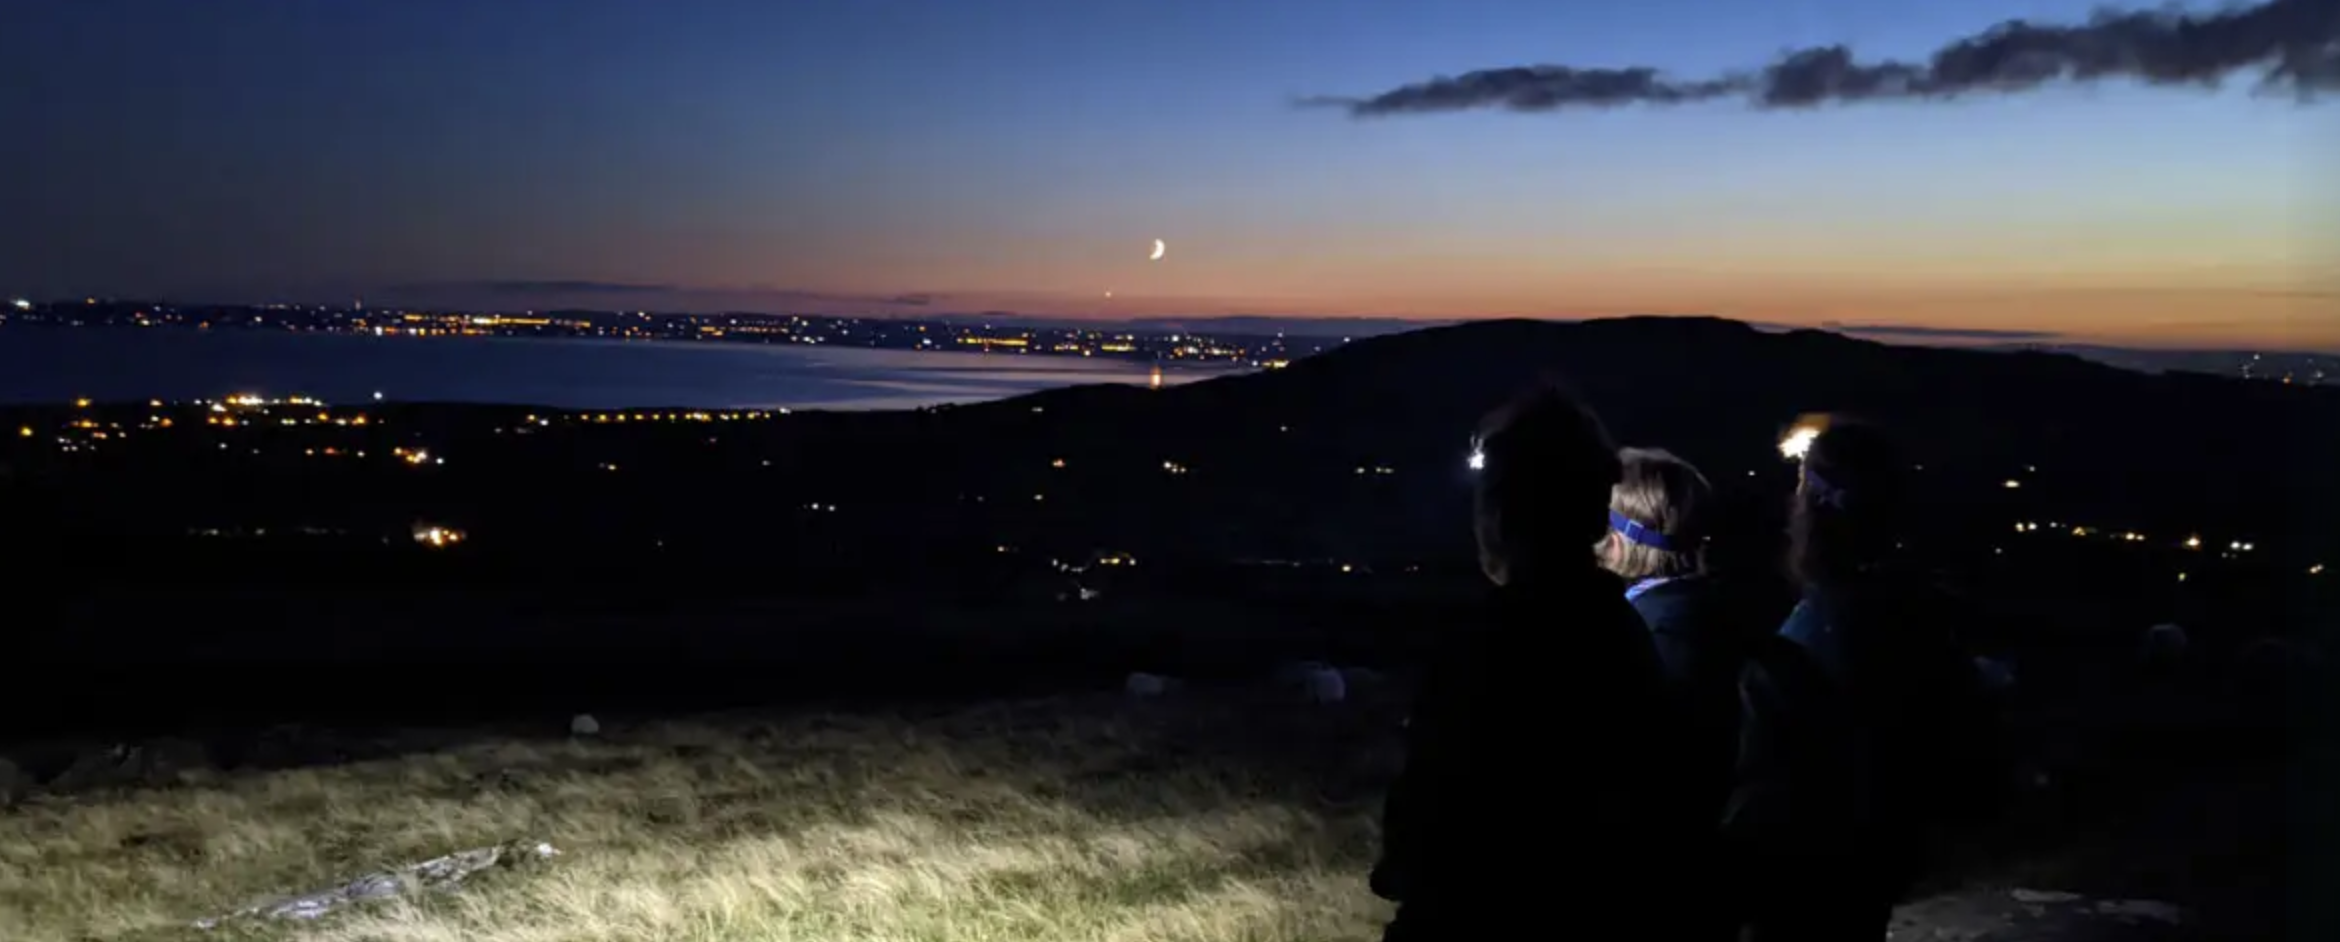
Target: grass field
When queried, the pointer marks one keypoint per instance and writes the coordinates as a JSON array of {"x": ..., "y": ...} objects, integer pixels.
[
  {"x": 1207, "y": 815},
  {"x": 1212, "y": 817}
]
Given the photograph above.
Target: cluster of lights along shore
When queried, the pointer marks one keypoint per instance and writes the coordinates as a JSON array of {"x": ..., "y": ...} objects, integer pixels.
[
  {"x": 81, "y": 432},
  {"x": 1162, "y": 346}
]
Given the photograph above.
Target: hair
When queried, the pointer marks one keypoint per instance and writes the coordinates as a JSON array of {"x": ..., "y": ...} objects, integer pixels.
[
  {"x": 1850, "y": 522},
  {"x": 1543, "y": 492},
  {"x": 1666, "y": 494}
]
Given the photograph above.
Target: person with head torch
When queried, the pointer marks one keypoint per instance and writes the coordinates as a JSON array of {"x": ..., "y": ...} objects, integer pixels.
[
  {"x": 1866, "y": 733},
  {"x": 1705, "y": 625},
  {"x": 1536, "y": 762}
]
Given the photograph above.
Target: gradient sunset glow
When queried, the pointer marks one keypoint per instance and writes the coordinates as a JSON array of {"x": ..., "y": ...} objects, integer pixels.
[{"x": 914, "y": 156}]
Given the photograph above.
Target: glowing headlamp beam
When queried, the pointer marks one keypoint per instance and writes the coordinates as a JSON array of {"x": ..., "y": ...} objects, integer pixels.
[{"x": 1798, "y": 443}]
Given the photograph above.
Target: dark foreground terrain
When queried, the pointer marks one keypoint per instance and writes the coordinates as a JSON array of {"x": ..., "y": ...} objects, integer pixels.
[
  {"x": 906, "y": 636},
  {"x": 1235, "y": 810}
]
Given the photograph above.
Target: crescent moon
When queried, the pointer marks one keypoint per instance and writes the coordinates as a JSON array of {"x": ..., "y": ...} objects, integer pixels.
[{"x": 1159, "y": 248}]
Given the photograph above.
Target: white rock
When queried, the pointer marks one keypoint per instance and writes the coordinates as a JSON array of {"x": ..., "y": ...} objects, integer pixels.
[
  {"x": 583, "y": 724},
  {"x": 437, "y": 873}
]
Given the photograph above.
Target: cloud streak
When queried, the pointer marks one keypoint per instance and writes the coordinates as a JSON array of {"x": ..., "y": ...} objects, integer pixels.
[
  {"x": 1937, "y": 333},
  {"x": 2293, "y": 44}
]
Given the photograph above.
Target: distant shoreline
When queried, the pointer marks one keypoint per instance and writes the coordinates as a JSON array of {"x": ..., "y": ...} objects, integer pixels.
[{"x": 61, "y": 364}]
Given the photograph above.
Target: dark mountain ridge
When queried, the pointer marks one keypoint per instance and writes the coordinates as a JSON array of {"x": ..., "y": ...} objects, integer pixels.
[{"x": 1316, "y": 510}]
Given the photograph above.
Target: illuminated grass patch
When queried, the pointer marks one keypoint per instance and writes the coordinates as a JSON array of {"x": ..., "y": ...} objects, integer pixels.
[{"x": 1088, "y": 820}]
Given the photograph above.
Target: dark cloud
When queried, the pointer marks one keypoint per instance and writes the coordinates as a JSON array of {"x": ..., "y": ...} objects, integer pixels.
[{"x": 2293, "y": 44}]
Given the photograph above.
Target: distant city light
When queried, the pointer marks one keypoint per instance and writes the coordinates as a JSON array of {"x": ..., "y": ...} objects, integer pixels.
[
  {"x": 1478, "y": 460},
  {"x": 81, "y": 403},
  {"x": 2316, "y": 570},
  {"x": 23, "y": 305},
  {"x": 377, "y": 395},
  {"x": 2013, "y": 484},
  {"x": 437, "y": 537},
  {"x": 24, "y": 432},
  {"x": 2193, "y": 542}
]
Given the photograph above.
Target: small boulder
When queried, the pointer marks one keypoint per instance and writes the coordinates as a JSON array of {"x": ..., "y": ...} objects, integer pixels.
[
  {"x": 15, "y": 784},
  {"x": 1316, "y": 681},
  {"x": 106, "y": 767},
  {"x": 1996, "y": 675},
  {"x": 1327, "y": 686},
  {"x": 169, "y": 761},
  {"x": 2164, "y": 644},
  {"x": 1146, "y": 686},
  {"x": 2141, "y": 910},
  {"x": 583, "y": 724}
]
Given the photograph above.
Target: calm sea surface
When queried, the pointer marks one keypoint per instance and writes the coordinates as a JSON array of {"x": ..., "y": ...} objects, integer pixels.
[{"x": 47, "y": 364}]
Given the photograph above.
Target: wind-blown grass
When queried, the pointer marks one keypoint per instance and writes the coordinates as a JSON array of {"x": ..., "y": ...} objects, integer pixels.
[{"x": 1227, "y": 818}]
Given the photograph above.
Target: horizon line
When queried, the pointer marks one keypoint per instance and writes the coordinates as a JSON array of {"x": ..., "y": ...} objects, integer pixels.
[{"x": 1903, "y": 334}]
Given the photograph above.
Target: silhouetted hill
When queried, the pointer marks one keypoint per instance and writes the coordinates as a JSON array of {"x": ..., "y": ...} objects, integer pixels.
[
  {"x": 2169, "y": 455},
  {"x": 1320, "y": 507}
]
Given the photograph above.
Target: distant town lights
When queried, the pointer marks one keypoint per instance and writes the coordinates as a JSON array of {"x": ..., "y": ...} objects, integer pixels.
[
  {"x": 2013, "y": 484},
  {"x": 23, "y": 305},
  {"x": 437, "y": 537}
]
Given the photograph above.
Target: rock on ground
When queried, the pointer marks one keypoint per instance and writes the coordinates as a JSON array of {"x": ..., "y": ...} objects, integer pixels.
[{"x": 436, "y": 874}]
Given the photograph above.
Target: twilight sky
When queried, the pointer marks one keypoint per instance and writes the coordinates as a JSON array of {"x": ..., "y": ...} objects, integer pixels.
[{"x": 931, "y": 155}]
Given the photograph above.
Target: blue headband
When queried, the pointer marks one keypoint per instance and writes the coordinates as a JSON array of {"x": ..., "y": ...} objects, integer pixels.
[
  {"x": 1823, "y": 493},
  {"x": 1637, "y": 533}
]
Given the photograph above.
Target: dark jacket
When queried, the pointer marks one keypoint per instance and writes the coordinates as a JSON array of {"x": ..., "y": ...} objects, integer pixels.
[
  {"x": 1865, "y": 727},
  {"x": 1532, "y": 781},
  {"x": 1705, "y": 628}
]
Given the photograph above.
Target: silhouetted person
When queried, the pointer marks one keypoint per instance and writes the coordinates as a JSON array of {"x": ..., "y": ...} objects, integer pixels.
[
  {"x": 1530, "y": 786},
  {"x": 1705, "y": 625},
  {"x": 1865, "y": 726}
]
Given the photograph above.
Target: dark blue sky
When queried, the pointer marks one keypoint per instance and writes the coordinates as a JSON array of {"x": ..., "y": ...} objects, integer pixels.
[{"x": 1025, "y": 153}]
